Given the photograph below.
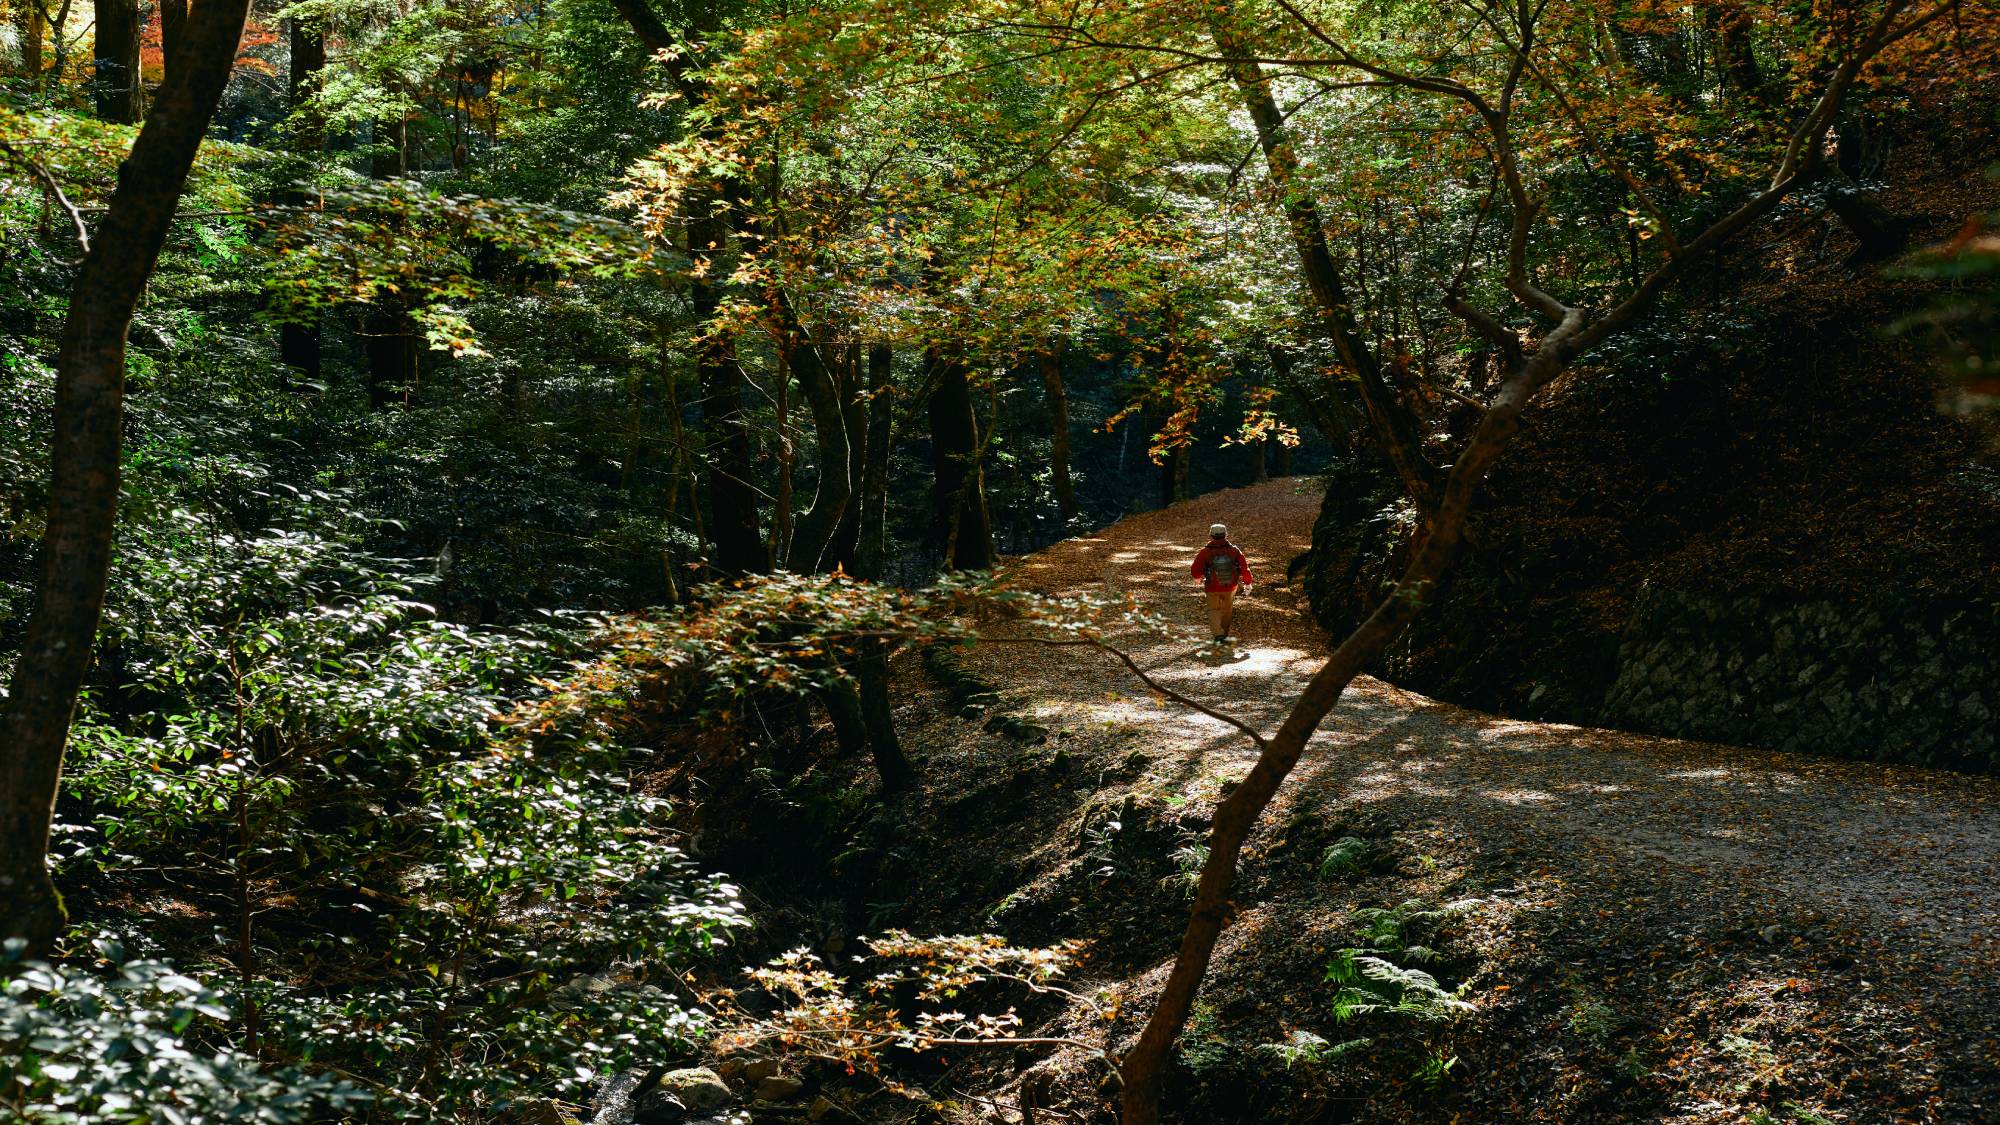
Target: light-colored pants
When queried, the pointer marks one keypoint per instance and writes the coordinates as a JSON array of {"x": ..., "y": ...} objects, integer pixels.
[{"x": 1221, "y": 611}]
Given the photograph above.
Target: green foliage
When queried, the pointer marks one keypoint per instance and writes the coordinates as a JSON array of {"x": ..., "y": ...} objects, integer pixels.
[
  {"x": 135, "y": 1043},
  {"x": 1371, "y": 985},
  {"x": 330, "y": 741},
  {"x": 1188, "y": 862},
  {"x": 349, "y": 709},
  {"x": 1592, "y": 1017},
  {"x": 771, "y": 634},
  {"x": 366, "y": 240},
  {"x": 1348, "y": 855},
  {"x": 1376, "y": 984},
  {"x": 1305, "y": 1049},
  {"x": 1203, "y": 1045}
]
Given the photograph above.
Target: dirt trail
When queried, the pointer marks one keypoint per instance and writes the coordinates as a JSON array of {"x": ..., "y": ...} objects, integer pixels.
[
  {"x": 1798, "y": 858},
  {"x": 1897, "y": 846}
]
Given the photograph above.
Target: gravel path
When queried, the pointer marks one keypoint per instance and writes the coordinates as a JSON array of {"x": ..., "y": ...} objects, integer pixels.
[{"x": 1830, "y": 860}]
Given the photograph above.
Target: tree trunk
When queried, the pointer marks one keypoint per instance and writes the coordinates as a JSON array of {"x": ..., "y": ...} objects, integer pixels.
[
  {"x": 298, "y": 347},
  {"x": 1396, "y": 429},
  {"x": 302, "y": 84},
  {"x": 391, "y": 157},
  {"x": 1173, "y": 476},
  {"x": 816, "y": 526},
  {"x": 173, "y": 35},
  {"x": 390, "y": 340},
  {"x": 1327, "y": 414},
  {"x": 32, "y": 33},
  {"x": 1878, "y": 234},
  {"x": 1238, "y": 813},
  {"x": 843, "y": 710},
  {"x": 84, "y": 469},
  {"x": 739, "y": 547},
  {"x": 854, "y": 412},
  {"x": 391, "y": 351},
  {"x": 780, "y": 542},
  {"x": 1735, "y": 56},
  {"x": 870, "y": 559},
  {"x": 116, "y": 78},
  {"x": 871, "y": 545},
  {"x": 1049, "y": 359},
  {"x": 299, "y": 341},
  {"x": 879, "y": 720},
  {"x": 959, "y": 494},
  {"x": 683, "y": 459}
]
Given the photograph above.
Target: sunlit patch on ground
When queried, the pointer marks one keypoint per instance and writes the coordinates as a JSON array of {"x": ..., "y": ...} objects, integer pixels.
[{"x": 1682, "y": 854}]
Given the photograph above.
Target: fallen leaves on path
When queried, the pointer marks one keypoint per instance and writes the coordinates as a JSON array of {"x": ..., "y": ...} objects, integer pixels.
[{"x": 1766, "y": 930}]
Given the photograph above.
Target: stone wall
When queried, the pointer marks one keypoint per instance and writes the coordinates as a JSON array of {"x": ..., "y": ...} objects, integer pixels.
[
  {"x": 1894, "y": 675},
  {"x": 1892, "y": 680}
]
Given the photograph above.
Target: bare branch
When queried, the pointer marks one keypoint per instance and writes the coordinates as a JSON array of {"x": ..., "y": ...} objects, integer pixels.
[
  {"x": 1153, "y": 685},
  {"x": 40, "y": 172},
  {"x": 1460, "y": 396},
  {"x": 1488, "y": 327}
]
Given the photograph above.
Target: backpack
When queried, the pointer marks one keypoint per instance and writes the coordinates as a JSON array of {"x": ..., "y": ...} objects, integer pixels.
[{"x": 1222, "y": 569}]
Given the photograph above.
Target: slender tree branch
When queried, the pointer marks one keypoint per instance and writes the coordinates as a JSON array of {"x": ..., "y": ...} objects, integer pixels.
[
  {"x": 1153, "y": 685},
  {"x": 40, "y": 172}
]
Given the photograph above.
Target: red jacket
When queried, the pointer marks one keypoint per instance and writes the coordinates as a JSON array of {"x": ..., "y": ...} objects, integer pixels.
[{"x": 1215, "y": 547}]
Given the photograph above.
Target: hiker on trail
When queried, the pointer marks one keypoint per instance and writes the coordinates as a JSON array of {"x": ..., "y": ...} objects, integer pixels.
[{"x": 1222, "y": 569}]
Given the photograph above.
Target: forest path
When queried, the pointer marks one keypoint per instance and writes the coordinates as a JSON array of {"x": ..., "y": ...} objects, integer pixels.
[{"x": 1886, "y": 856}]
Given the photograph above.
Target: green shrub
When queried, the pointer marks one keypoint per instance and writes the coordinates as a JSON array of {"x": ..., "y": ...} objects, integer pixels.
[{"x": 139, "y": 1044}]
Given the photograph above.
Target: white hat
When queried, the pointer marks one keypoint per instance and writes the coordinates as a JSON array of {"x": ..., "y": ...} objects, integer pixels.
[{"x": 1216, "y": 529}]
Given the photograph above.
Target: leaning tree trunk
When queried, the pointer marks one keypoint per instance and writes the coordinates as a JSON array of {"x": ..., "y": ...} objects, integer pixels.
[
  {"x": 84, "y": 468},
  {"x": 1049, "y": 359},
  {"x": 1440, "y": 537},
  {"x": 959, "y": 491},
  {"x": 1238, "y": 813},
  {"x": 1396, "y": 428},
  {"x": 116, "y": 76}
]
